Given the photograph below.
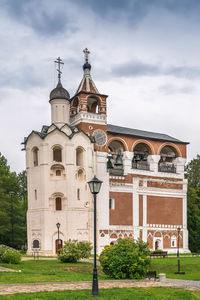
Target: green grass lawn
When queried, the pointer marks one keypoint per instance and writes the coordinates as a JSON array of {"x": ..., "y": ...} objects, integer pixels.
[
  {"x": 111, "y": 294},
  {"x": 190, "y": 265},
  {"x": 48, "y": 271},
  {"x": 55, "y": 271}
]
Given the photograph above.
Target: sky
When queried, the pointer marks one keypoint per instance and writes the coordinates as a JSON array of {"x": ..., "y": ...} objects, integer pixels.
[{"x": 145, "y": 54}]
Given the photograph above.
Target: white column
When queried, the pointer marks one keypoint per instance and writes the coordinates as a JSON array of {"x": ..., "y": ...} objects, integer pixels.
[
  {"x": 127, "y": 161},
  {"x": 136, "y": 208},
  {"x": 153, "y": 161}
]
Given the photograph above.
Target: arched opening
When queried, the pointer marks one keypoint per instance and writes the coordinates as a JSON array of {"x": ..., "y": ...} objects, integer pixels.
[
  {"x": 35, "y": 156},
  {"x": 74, "y": 107},
  {"x": 57, "y": 170},
  {"x": 58, "y": 244},
  {"x": 57, "y": 154},
  {"x": 167, "y": 157},
  {"x": 36, "y": 244},
  {"x": 92, "y": 105},
  {"x": 58, "y": 203},
  {"x": 140, "y": 157},
  {"x": 115, "y": 158},
  {"x": 79, "y": 157},
  {"x": 80, "y": 175}
]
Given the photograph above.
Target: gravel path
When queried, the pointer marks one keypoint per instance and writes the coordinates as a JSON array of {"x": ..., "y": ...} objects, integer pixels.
[{"x": 39, "y": 287}]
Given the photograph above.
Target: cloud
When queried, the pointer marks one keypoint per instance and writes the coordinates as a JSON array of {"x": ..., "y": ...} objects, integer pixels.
[
  {"x": 138, "y": 68},
  {"x": 45, "y": 17},
  {"x": 170, "y": 89}
]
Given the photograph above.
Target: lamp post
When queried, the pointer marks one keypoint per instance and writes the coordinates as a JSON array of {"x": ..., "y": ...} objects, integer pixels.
[
  {"x": 95, "y": 185},
  {"x": 58, "y": 226},
  {"x": 179, "y": 272},
  {"x": 11, "y": 217}
]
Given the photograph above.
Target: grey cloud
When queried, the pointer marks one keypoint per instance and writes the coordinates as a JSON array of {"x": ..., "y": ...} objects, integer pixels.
[
  {"x": 170, "y": 89},
  {"x": 44, "y": 17},
  {"x": 22, "y": 78},
  {"x": 138, "y": 68}
]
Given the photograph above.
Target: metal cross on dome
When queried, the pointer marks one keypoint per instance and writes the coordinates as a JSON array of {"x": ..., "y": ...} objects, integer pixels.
[
  {"x": 86, "y": 51},
  {"x": 59, "y": 62}
]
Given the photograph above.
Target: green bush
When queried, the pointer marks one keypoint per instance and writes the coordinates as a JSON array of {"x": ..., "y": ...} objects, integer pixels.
[
  {"x": 72, "y": 251},
  {"x": 9, "y": 255},
  {"x": 85, "y": 248},
  {"x": 126, "y": 259}
]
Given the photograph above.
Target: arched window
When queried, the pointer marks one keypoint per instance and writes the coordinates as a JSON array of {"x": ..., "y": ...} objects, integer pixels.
[
  {"x": 115, "y": 158},
  {"x": 57, "y": 154},
  {"x": 79, "y": 157},
  {"x": 58, "y": 203},
  {"x": 80, "y": 175},
  {"x": 166, "y": 163},
  {"x": 92, "y": 105},
  {"x": 140, "y": 155},
  {"x": 35, "y": 156},
  {"x": 74, "y": 107},
  {"x": 36, "y": 244}
]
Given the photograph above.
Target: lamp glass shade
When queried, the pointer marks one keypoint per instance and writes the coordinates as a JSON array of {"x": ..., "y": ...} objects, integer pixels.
[
  {"x": 95, "y": 185},
  {"x": 58, "y": 225}
]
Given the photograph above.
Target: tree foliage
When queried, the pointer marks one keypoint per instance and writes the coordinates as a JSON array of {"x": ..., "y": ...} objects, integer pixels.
[
  {"x": 13, "y": 206},
  {"x": 193, "y": 196}
]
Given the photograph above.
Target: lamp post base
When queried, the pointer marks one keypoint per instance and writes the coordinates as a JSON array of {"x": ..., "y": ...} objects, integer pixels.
[
  {"x": 95, "y": 289},
  {"x": 179, "y": 273}
]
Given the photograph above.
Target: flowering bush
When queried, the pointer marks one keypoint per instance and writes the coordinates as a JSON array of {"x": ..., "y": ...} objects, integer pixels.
[
  {"x": 9, "y": 255},
  {"x": 72, "y": 251},
  {"x": 126, "y": 259},
  {"x": 85, "y": 248}
]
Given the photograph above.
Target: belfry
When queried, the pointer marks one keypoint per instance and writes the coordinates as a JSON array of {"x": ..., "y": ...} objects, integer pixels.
[{"x": 143, "y": 195}]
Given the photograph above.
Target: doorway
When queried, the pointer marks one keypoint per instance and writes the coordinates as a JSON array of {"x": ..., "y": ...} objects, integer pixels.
[{"x": 59, "y": 244}]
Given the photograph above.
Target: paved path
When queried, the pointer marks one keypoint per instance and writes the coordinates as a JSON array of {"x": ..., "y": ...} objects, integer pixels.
[
  {"x": 38, "y": 287},
  {"x": 2, "y": 269}
]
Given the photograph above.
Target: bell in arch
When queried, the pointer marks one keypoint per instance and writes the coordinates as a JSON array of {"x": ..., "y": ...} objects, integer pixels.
[
  {"x": 109, "y": 163},
  {"x": 118, "y": 161}
]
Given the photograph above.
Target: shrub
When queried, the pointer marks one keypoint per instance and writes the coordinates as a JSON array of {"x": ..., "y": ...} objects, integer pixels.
[
  {"x": 9, "y": 255},
  {"x": 85, "y": 248},
  {"x": 72, "y": 251},
  {"x": 126, "y": 259},
  {"x": 3, "y": 248}
]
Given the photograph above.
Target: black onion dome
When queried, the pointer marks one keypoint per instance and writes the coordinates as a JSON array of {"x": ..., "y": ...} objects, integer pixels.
[
  {"x": 59, "y": 93},
  {"x": 87, "y": 66}
]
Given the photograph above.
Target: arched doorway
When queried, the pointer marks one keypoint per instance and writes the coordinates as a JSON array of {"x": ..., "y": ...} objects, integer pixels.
[
  {"x": 59, "y": 244},
  {"x": 157, "y": 245}
]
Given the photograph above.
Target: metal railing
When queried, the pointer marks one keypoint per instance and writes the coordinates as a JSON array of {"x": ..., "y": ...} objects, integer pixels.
[
  {"x": 141, "y": 165},
  {"x": 167, "y": 168}
]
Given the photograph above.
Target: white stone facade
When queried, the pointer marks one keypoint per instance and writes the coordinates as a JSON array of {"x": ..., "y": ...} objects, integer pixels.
[{"x": 62, "y": 158}]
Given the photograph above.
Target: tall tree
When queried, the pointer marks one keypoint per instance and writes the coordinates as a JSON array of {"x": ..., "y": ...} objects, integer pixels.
[
  {"x": 12, "y": 206},
  {"x": 193, "y": 195}
]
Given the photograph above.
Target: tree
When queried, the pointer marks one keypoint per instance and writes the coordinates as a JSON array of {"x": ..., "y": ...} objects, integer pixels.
[
  {"x": 193, "y": 172},
  {"x": 13, "y": 205},
  {"x": 194, "y": 218},
  {"x": 193, "y": 196}
]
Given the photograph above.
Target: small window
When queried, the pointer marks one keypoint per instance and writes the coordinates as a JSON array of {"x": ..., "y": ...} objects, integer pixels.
[
  {"x": 173, "y": 241},
  {"x": 35, "y": 194},
  {"x": 79, "y": 157},
  {"x": 35, "y": 156},
  {"x": 57, "y": 154},
  {"x": 58, "y": 172},
  {"x": 36, "y": 244},
  {"x": 58, "y": 203},
  {"x": 78, "y": 194},
  {"x": 111, "y": 203}
]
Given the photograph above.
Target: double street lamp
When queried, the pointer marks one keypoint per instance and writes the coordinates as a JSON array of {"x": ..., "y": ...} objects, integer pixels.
[
  {"x": 179, "y": 272},
  {"x": 95, "y": 185}
]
